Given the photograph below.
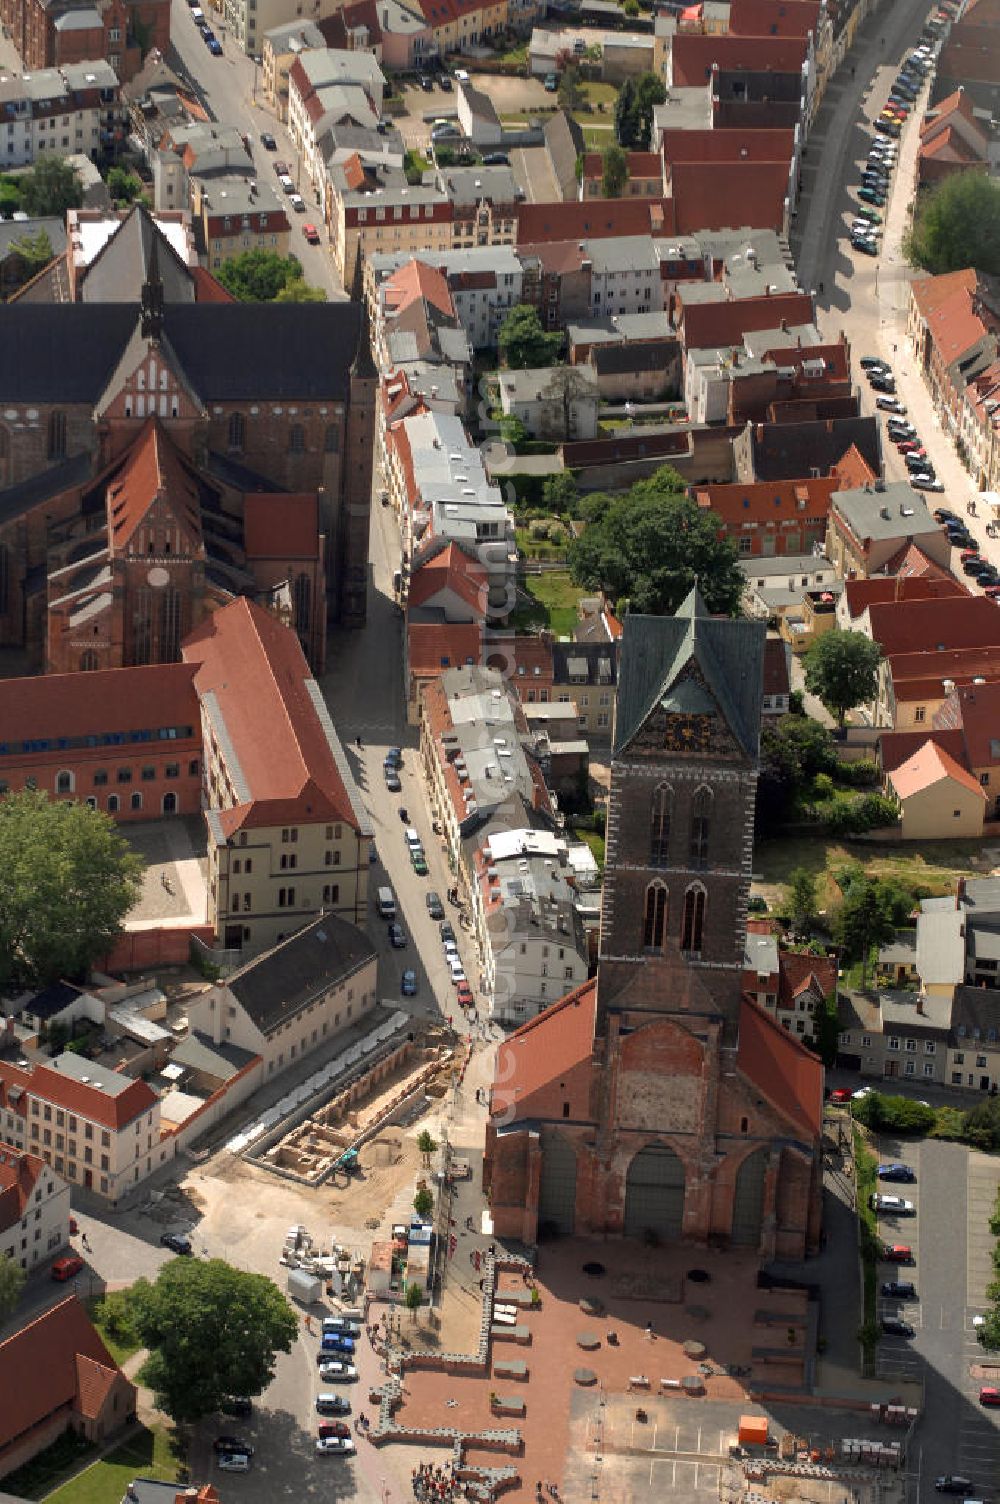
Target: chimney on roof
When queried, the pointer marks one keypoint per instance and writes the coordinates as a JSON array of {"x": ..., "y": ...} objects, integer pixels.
[{"x": 920, "y": 1002}]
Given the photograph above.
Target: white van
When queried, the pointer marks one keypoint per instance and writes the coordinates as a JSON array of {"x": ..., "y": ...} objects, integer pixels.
[
  {"x": 234, "y": 1462},
  {"x": 386, "y": 904}
]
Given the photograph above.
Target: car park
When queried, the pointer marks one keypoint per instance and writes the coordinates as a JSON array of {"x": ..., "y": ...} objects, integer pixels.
[
  {"x": 435, "y": 907},
  {"x": 895, "y": 1171},
  {"x": 397, "y": 937},
  {"x": 179, "y": 1242},
  {"x": 408, "y": 983},
  {"x": 899, "y": 1289},
  {"x": 897, "y": 1253},
  {"x": 335, "y": 1372},
  {"x": 895, "y": 1326},
  {"x": 894, "y": 1205},
  {"x": 335, "y": 1446}
]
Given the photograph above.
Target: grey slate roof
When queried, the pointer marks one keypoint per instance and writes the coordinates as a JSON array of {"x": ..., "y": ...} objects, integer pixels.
[
  {"x": 19, "y": 229},
  {"x": 51, "y": 1000},
  {"x": 229, "y": 351},
  {"x": 975, "y": 1016},
  {"x": 275, "y": 986},
  {"x": 655, "y": 650}
]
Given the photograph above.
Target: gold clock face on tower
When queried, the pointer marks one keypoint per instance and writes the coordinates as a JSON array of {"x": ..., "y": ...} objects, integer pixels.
[{"x": 689, "y": 733}]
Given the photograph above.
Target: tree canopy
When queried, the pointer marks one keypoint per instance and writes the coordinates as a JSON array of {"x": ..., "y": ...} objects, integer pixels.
[
  {"x": 12, "y": 1278},
  {"x": 870, "y": 914},
  {"x": 634, "y": 110},
  {"x": 212, "y": 1332},
  {"x": 524, "y": 344},
  {"x": 50, "y": 188},
  {"x": 35, "y": 252},
  {"x": 258, "y": 276},
  {"x": 124, "y": 186},
  {"x": 615, "y": 174},
  {"x": 842, "y": 669},
  {"x": 957, "y": 224},
  {"x": 570, "y": 91},
  {"x": 299, "y": 291},
  {"x": 646, "y": 548},
  {"x": 67, "y": 881},
  {"x": 793, "y": 750}
]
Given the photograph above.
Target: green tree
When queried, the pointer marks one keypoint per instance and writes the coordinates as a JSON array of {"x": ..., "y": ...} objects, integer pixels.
[
  {"x": 626, "y": 118},
  {"x": 298, "y": 291},
  {"x": 212, "y": 1331},
  {"x": 559, "y": 493},
  {"x": 615, "y": 174},
  {"x": 67, "y": 881},
  {"x": 258, "y": 276},
  {"x": 650, "y": 91},
  {"x": 570, "y": 92},
  {"x": 513, "y": 430},
  {"x": 802, "y": 899},
  {"x": 649, "y": 547},
  {"x": 10, "y": 196},
  {"x": 427, "y": 1144},
  {"x": 12, "y": 1278},
  {"x": 842, "y": 670},
  {"x": 793, "y": 752},
  {"x": 869, "y": 916},
  {"x": 123, "y": 186},
  {"x": 989, "y": 1333},
  {"x": 414, "y": 166},
  {"x": 50, "y": 188},
  {"x": 423, "y": 1203},
  {"x": 524, "y": 344},
  {"x": 35, "y": 252},
  {"x": 414, "y": 1298},
  {"x": 957, "y": 224}
]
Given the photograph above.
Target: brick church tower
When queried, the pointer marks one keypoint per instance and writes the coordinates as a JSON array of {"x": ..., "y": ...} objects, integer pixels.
[
  {"x": 355, "y": 515},
  {"x": 659, "y": 1100}
]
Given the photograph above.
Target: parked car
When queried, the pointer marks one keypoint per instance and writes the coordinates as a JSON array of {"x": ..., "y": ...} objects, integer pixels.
[
  {"x": 840, "y": 1094},
  {"x": 336, "y": 1373},
  {"x": 232, "y": 1444},
  {"x": 894, "y": 1205},
  {"x": 445, "y": 83},
  {"x": 419, "y": 863},
  {"x": 899, "y": 1289},
  {"x": 267, "y": 141},
  {"x": 867, "y": 247},
  {"x": 872, "y": 215},
  {"x": 869, "y": 196},
  {"x": 179, "y": 1242},
  {"x": 214, "y": 46},
  {"x": 332, "y": 1404},
  {"x": 943, "y": 514},
  {"x": 65, "y": 1268},
  {"x": 233, "y": 1462},
  {"x": 889, "y": 405},
  {"x": 989, "y": 1395},
  {"x": 953, "y": 1483},
  {"x": 426, "y": 83},
  {"x": 447, "y": 930},
  {"x": 897, "y": 1253},
  {"x": 874, "y": 363},
  {"x": 895, "y": 1171},
  {"x": 297, "y": 202},
  {"x": 883, "y": 384},
  {"x": 926, "y": 483},
  {"x": 463, "y": 995},
  {"x": 335, "y": 1446},
  {"x": 238, "y": 1405},
  {"x": 551, "y": 83},
  {"x": 435, "y": 907},
  {"x": 333, "y": 1427},
  {"x": 311, "y": 234},
  {"x": 397, "y": 937},
  {"x": 894, "y": 1326},
  {"x": 408, "y": 983},
  {"x": 392, "y": 782}
]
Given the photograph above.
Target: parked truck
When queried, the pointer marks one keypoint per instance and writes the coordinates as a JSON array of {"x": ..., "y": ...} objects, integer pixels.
[{"x": 307, "y": 1289}]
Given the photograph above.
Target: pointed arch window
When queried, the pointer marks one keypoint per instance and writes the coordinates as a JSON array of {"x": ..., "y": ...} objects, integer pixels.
[
  {"x": 654, "y": 925},
  {"x": 701, "y": 818},
  {"x": 693, "y": 920},
  {"x": 661, "y": 812}
]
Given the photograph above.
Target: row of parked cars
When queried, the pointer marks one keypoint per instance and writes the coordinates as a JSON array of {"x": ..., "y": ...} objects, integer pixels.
[
  {"x": 900, "y": 431},
  {"x": 977, "y": 568},
  {"x": 883, "y": 154},
  {"x": 207, "y": 34}
]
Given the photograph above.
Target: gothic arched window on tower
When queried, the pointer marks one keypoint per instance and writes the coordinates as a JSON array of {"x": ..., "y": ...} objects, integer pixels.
[
  {"x": 659, "y": 828},
  {"x": 701, "y": 815},
  {"x": 654, "y": 925},
  {"x": 693, "y": 921}
]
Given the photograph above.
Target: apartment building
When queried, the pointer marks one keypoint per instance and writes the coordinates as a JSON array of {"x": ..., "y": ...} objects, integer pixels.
[
  {"x": 34, "y": 1207},
  {"x": 75, "y": 109},
  {"x": 96, "y": 1127}
]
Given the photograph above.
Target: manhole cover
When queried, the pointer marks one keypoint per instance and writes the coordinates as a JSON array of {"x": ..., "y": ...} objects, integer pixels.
[
  {"x": 596, "y": 1271},
  {"x": 699, "y": 1276}
]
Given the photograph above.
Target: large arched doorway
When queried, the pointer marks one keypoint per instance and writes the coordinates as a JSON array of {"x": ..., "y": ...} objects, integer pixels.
[
  {"x": 557, "y": 1190},
  {"x": 654, "y": 1193},
  {"x": 748, "y": 1199}
]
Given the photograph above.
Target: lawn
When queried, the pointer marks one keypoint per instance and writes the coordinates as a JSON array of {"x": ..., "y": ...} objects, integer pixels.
[
  {"x": 147, "y": 1454},
  {"x": 931, "y": 871},
  {"x": 592, "y": 839},
  {"x": 554, "y": 603},
  {"x": 597, "y": 94},
  {"x": 596, "y": 136}
]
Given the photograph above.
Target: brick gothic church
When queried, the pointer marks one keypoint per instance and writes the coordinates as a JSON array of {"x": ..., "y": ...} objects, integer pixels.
[
  {"x": 164, "y": 454},
  {"x": 657, "y": 1098}
]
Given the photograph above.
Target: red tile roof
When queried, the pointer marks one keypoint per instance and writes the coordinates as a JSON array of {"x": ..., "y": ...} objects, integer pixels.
[
  {"x": 110, "y": 700},
  {"x": 546, "y": 1050},
  {"x": 416, "y": 280},
  {"x": 705, "y": 146},
  {"x": 207, "y": 289},
  {"x": 835, "y": 358},
  {"x": 768, "y": 501},
  {"x": 913, "y": 563},
  {"x": 451, "y": 569},
  {"x": 594, "y": 218},
  {"x": 89, "y": 1101},
  {"x": 897, "y": 747},
  {"x": 641, "y": 164},
  {"x": 19, "y": 1172},
  {"x": 860, "y": 594},
  {"x": 433, "y": 647},
  {"x": 798, "y": 972},
  {"x": 281, "y": 527},
  {"x": 44, "y": 1358},
  {"x": 733, "y": 194},
  {"x": 957, "y": 621},
  {"x": 921, "y": 676},
  {"x": 977, "y": 709},
  {"x": 694, "y": 55},
  {"x": 927, "y": 766},
  {"x": 705, "y": 326},
  {"x": 782, "y": 18},
  {"x": 852, "y": 470},
  {"x": 782, "y": 1069},
  {"x": 270, "y": 706},
  {"x": 153, "y": 471}
]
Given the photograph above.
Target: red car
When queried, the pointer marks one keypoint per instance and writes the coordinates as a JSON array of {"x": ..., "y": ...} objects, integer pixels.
[
  {"x": 969, "y": 553},
  {"x": 465, "y": 995},
  {"x": 993, "y": 591},
  {"x": 311, "y": 233},
  {"x": 989, "y": 1395},
  {"x": 65, "y": 1268},
  {"x": 840, "y": 1094},
  {"x": 911, "y": 446},
  {"x": 333, "y": 1428},
  {"x": 897, "y": 1253}
]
